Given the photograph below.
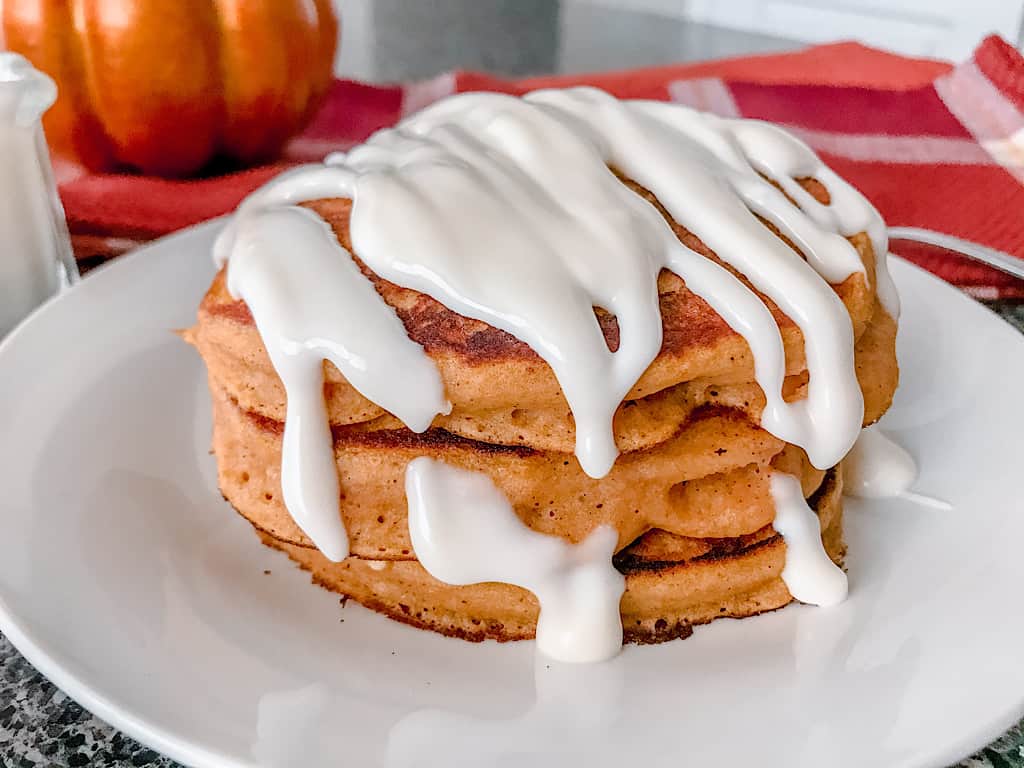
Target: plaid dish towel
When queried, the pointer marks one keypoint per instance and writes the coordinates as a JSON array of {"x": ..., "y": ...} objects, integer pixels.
[{"x": 932, "y": 145}]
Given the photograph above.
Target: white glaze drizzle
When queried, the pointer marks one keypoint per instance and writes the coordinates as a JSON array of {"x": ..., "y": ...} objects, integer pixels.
[
  {"x": 809, "y": 573},
  {"x": 848, "y": 212},
  {"x": 505, "y": 210},
  {"x": 877, "y": 467},
  {"x": 310, "y": 303},
  {"x": 880, "y": 468},
  {"x": 464, "y": 531}
]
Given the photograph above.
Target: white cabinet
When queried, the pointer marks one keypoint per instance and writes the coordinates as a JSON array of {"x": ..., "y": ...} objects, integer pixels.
[{"x": 941, "y": 28}]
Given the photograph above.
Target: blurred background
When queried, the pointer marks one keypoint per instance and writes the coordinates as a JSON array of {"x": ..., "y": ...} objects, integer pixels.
[
  {"x": 200, "y": 92},
  {"x": 386, "y": 40}
]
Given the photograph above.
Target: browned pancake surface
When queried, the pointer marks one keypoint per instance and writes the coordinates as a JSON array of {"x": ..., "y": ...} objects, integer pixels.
[
  {"x": 664, "y": 598},
  {"x": 502, "y": 392},
  {"x": 689, "y": 495}
]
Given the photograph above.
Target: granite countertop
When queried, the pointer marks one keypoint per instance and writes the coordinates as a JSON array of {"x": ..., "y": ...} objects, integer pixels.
[{"x": 40, "y": 726}]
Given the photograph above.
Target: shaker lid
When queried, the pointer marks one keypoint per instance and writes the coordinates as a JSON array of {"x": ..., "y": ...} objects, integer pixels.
[{"x": 25, "y": 92}]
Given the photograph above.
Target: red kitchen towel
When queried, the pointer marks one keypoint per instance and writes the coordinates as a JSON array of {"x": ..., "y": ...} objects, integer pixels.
[{"x": 931, "y": 145}]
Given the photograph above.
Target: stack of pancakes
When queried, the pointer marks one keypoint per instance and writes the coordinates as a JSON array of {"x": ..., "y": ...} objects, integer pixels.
[{"x": 689, "y": 494}]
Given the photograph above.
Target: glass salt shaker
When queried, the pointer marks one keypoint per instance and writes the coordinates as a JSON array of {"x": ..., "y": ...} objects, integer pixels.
[{"x": 36, "y": 260}]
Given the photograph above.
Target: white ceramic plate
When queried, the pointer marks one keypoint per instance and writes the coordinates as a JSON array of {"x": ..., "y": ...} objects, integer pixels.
[{"x": 128, "y": 581}]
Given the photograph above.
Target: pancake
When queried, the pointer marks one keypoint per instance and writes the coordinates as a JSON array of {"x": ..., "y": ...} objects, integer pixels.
[
  {"x": 692, "y": 485},
  {"x": 665, "y": 596},
  {"x": 704, "y": 498},
  {"x": 476, "y": 361}
]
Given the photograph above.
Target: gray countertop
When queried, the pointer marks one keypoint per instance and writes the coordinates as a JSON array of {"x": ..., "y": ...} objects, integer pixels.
[{"x": 391, "y": 40}]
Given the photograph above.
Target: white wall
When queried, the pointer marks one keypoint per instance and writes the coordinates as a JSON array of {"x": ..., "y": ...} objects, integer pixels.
[
  {"x": 355, "y": 47},
  {"x": 947, "y": 29}
]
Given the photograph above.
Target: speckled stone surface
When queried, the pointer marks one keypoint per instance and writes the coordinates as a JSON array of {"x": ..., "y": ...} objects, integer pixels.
[{"x": 41, "y": 727}]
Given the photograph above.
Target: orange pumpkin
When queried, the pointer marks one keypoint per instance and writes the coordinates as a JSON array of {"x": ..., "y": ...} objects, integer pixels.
[{"x": 164, "y": 86}]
